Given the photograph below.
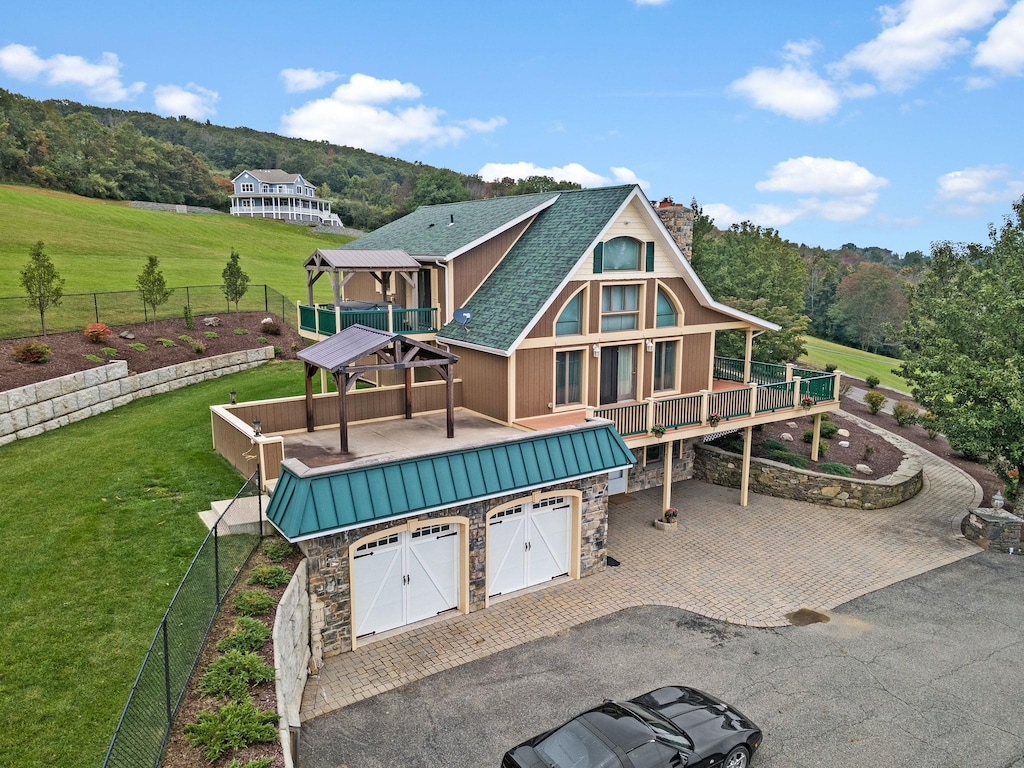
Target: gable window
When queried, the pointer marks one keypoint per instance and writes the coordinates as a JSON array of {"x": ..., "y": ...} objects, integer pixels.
[
  {"x": 264, "y": 187},
  {"x": 247, "y": 188},
  {"x": 570, "y": 322},
  {"x": 621, "y": 253},
  {"x": 620, "y": 307},
  {"x": 666, "y": 312},
  {"x": 665, "y": 365},
  {"x": 569, "y": 377}
]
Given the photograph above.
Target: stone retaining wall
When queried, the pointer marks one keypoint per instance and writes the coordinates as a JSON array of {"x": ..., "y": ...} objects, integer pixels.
[
  {"x": 291, "y": 656},
  {"x": 37, "y": 408},
  {"x": 713, "y": 465}
]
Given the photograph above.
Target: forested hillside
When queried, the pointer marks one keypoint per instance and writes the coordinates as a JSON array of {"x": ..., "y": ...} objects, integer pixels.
[{"x": 119, "y": 155}]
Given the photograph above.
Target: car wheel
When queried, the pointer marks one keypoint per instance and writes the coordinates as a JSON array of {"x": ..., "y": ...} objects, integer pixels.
[{"x": 737, "y": 758}]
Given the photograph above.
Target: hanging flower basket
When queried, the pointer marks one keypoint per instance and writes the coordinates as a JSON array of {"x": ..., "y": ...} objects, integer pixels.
[
  {"x": 658, "y": 430},
  {"x": 713, "y": 419},
  {"x": 806, "y": 402}
]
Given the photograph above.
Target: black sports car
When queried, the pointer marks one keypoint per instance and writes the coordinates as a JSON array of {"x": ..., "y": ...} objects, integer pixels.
[{"x": 670, "y": 727}]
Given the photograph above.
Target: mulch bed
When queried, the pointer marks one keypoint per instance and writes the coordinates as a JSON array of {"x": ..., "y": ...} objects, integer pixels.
[{"x": 68, "y": 350}]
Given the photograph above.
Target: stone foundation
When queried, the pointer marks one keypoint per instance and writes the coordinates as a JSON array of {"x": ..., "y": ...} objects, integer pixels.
[
  {"x": 37, "y": 408},
  {"x": 993, "y": 529},
  {"x": 713, "y": 465},
  {"x": 652, "y": 475}
]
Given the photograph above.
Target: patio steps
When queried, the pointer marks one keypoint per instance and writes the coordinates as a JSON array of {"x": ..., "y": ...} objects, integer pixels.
[{"x": 243, "y": 517}]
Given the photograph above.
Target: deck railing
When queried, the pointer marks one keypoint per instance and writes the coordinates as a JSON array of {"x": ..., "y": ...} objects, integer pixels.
[{"x": 326, "y": 319}]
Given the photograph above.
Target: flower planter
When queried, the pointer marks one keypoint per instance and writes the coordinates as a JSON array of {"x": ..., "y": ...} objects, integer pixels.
[{"x": 661, "y": 525}]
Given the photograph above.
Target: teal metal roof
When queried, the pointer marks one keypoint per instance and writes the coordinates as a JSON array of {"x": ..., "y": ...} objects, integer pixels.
[
  {"x": 435, "y": 231},
  {"x": 304, "y": 507},
  {"x": 515, "y": 292}
]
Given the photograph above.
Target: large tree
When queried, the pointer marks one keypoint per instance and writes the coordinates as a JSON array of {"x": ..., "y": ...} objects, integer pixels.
[
  {"x": 964, "y": 355},
  {"x": 152, "y": 285},
  {"x": 236, "y": 282},
  {"x": 42, "y": 282},
  {"x": 870, "y": 307}
]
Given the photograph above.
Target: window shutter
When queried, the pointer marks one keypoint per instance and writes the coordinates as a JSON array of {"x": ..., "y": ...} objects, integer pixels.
[
  {"x": 598, "y": 258},
  {"x": 650, "y": 257}
]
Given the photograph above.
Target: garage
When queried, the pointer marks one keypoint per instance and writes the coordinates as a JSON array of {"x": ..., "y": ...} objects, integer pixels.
[
  {"x": 405, "y": 576},
  {"x": 528, "y": 544}
]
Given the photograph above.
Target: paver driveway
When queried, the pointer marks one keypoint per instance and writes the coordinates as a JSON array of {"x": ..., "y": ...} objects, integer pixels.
[{"x": 751, "y": 566}]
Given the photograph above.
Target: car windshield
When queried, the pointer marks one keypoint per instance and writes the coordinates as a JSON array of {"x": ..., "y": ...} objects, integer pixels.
[
  {"x": 664, "y": 731},
  {"x": 574, "y": 746}
]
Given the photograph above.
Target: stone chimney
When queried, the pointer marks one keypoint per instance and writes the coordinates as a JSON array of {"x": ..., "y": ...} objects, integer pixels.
[{"x": 678, "y": 220}]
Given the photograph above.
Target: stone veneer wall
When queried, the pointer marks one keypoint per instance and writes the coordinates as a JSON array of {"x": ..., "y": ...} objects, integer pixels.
[
  {"x": 328, "y": 565},
  {"x": 37, "y": 408},
  {"x": 772, "y": 478},
  {"x": 291, "y": 656},
  {"x": 678, "y": 220},
  {"x": 653, "y": 475}
]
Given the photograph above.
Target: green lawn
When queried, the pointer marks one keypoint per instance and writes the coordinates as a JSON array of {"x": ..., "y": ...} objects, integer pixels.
[
  {"x": 100, "y": 245},
  {"x": 855, "y": 362},
  {"x": 98, "y": 525}
]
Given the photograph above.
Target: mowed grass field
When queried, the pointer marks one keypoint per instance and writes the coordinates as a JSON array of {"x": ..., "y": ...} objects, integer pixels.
[
  {"x": 101, "y": 245},
  {"x": 98, "y": 525},
  {"x": 855, "y": 362}
]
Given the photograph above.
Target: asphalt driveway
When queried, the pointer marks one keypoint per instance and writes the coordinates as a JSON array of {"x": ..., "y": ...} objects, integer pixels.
[{"x": 927, "y": 672}]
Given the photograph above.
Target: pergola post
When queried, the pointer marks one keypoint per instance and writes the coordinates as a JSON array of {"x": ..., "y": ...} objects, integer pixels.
[
  {"x": 341, "y": 382},
  {"x": 408, "y": 393},
  {"x": 309, "y": 396},
  {"x": 450, "y": 398}
]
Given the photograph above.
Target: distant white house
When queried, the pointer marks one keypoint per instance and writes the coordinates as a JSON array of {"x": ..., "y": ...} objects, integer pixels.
[{"x": 274, "y": 194}]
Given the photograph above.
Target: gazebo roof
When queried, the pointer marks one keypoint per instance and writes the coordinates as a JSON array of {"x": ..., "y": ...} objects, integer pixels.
[
  {"x": 388, "y": 260},
  {"x": 354, "y": 343}
]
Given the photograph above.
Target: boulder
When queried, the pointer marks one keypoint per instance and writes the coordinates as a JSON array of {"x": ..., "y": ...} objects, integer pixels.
[
  {"x": 211, "y": 321},
  {"x": 864, "y": 469},
  {"x": 126, "y": 335},
  {"x": 786, "y": 437},
  {"x": 843, "y": 433},
  {"x": 844, "y": 443}
]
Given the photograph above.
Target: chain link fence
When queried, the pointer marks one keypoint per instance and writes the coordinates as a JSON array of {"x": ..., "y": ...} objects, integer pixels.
[
  {"x": 145, "y": 724},
  {"x": 77, "y": 310}
]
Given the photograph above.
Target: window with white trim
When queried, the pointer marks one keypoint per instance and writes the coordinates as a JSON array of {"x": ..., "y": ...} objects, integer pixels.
[
  {"x": 569, "y": 377},
  {"x": 621, "y": 253},
  {"x": 666, "y": 314},
  {"x": 570, "y": 322},
  {"x": 620, "y": 307},
  {"x": 248, "y": 187},
  {"x": 665, "y": 365}
]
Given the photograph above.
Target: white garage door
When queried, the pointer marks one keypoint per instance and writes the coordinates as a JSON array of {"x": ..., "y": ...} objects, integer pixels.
[
  {"x": 405, "y": 577},
  {"x": 528, "y": 544}
]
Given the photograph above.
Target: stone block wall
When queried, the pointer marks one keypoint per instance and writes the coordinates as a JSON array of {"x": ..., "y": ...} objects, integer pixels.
[
  {"x": 994, "y": 529},
  {"x": 291, "y": 656},
  {"x": 37, "y": 408},
  {"x": 678, "y": 220},
  {"x": 653, "y": 475},
  {"x": 772, "y": 478},
  {"x": 327, "y": 559}
]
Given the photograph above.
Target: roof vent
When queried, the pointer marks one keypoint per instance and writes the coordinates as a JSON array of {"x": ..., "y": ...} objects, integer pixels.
[{"x": 451, "y": 219}]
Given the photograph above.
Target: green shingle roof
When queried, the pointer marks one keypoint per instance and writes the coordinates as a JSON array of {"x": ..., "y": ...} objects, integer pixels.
[
  {"x": 531, "y": 272},
  {"x": 304, "y": 507},
  {"x": 435, "y": 231}
]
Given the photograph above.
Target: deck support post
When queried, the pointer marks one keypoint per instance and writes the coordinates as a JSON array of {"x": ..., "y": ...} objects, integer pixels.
[
  {"x": 748, "y": 436},
  {"x": 341, "y": 382},
  {"x": 816, "y": 439},
  {"x": 309, "y": 397},
  {"x": 666, "y": 488},
  {"x": 408, "y": 393},
  {"x": 449, "y": 396}
]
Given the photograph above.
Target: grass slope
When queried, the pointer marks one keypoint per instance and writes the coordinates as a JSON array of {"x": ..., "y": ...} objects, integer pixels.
[
  {"x": 855, "y": 362},
  {"x": 100, "y": 522},
  {"x": 102, "y": 245}
]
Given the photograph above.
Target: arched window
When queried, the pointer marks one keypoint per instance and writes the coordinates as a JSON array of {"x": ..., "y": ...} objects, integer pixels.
[
  {"x": 666, "y": 312},
  {"x": 621, "y": 253},
  {"x": 570, "y": 322}
]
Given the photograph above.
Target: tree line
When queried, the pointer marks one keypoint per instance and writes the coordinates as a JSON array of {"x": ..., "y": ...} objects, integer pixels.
[{"x": 122, "y": 155}]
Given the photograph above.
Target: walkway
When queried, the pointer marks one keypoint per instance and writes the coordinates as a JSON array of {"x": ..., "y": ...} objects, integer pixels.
[{"x": 750, "y": 566}]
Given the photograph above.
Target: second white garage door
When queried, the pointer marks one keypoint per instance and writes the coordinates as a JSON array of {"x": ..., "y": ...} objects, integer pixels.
[
  {"x": 405, "y": 577},
  {"x": 529, "y": 544}
]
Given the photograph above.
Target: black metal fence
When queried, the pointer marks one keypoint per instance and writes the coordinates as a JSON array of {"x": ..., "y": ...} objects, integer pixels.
[
  {"x": 77, "y": 310},
  {"x": 145, "y": 724}
]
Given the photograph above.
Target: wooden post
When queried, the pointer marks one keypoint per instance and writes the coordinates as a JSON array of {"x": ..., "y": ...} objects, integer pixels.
[
  {"x": 748, "y": 436},
  {"x": 666, "y": 488},
  {"x": 796, "y": 391},
  {"x": 449, "y": 376},
  {"x": 309, "y": 397},
  {"x": 816, "y": 440},
  {"x": 341, "y": 382},
  {"x": 748, "y": 350},
  {"x": 408, "y": 393},
  {"x": 836, "y": 385}
]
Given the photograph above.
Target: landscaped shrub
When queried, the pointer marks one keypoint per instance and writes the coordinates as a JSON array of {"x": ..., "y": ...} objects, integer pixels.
[
  {"x": 94, "y": 358},
  {"x": 233, "y": 726},
  {"x": 259, "y": 762},
  {"x": 270, "y": 326},
  {"x": 97, "y": 332},
  {"x": 198, "y": 347},
  {"x": 835, "y": 468},
  {"x": 822, "y": 447},
  {"x": 261, "y": 339},
  {"x": 31, "y": 352},
  {"x": 295, "y": 346},
  {"x": 905, "y": 412},
  {"x": 277, "y": 550},
  {"x": 872, "y": 381},
  {"x": 844, "y": 389},
  {"x": 253, "y": 602},
  {"x": 241, "y": 331},
  {"x": 808, "y": 435},
  {"x": 278, "y": 351},
  {"x": 269, "y": 576},
  {"x": 249, "y": 634},
  {"x": 189, "y": 320},
  {"x": 830, "y": 367},
  {"x": 829, "y": 429},
  {"x": 186, "y": 338},
  {"x": 794, "y": 460},
  {"x": 109, "y": 351},
  {"x": 875, "y": 401},
  {"x": 166, "y": 342},
  {"x": 138, "y": 346},
  {"x": 211, "y": 334},
  {"x": 773, "y": 445},
  {"x": 233, "y": 674},
  {"x": 929, "y": 421}
]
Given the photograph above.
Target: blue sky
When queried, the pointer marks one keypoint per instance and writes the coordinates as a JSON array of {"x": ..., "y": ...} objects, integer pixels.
[{"x": 833, "y": 122}]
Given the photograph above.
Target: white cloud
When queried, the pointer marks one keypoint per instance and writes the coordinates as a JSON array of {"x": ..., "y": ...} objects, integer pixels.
[
  {"x": 1003, "y": 49},
  {"x": 299, "y": 80},
  {"x": 354, "y": 115},
  {"x": 821, "y": 176},
  {"x": 918, "y": 37},
  {"x": 192, "y": 101},
  {"x": 847, "y": 208},
  {"x": 101, "y": 80},
  {"x": 650, "y": 2},
  {"x": 763, "y": 215},
  {"x": 791, "y": 91},
  {"x": 571, "y": 172},
  {"x": 967, "y": 191},
  {"x": 798, "y": 51}
]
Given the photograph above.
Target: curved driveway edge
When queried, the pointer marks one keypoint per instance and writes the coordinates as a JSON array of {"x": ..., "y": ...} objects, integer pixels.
[{"x": 750, "y": 566}]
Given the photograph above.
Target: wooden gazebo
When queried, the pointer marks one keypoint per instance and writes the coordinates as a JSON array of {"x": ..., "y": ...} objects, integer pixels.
[
  {"x": 338, "y": 354},
  {"x": 344, "y": 264}
]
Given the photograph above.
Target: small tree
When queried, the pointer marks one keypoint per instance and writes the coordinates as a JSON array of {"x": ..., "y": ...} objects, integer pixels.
[
  {"x": 152, "y": 286},
  {"x": 42, "y": 282},
  {"x": 236, "y": 282}
]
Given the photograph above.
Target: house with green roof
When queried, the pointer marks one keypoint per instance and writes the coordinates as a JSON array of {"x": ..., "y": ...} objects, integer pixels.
[{"x": 575, "y": 345}]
